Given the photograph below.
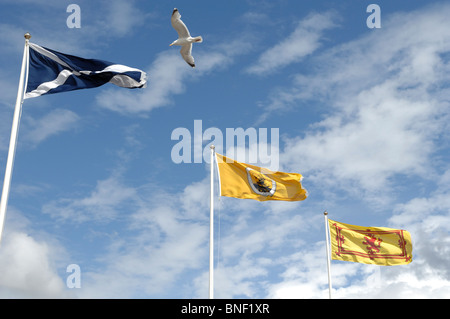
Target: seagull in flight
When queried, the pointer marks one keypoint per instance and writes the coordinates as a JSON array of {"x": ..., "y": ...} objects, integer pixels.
[{"x": 184, "y": 38}]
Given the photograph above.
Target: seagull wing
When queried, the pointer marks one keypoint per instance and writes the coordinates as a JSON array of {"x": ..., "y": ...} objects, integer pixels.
[
  {"x": 179, "y": 25},
  {"x": 186, "y": 51}
]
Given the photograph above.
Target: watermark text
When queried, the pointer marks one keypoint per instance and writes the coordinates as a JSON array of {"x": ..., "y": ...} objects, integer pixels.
[{"x": 249, "y": 145}]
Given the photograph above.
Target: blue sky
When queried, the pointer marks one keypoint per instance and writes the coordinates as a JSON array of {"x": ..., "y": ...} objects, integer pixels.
[{"x": 362, "y": 113}]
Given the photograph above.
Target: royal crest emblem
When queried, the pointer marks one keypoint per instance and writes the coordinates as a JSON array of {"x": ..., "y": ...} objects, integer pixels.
[
  {"x": 373, "y": 244},
  {"x": 260, "y": 183}
]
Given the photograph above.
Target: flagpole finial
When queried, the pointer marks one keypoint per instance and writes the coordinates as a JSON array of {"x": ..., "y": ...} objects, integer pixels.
[
  {"x": 27, "y": 36},
  {"x": 325, "y": 213},
  {"x": 212, "y": 147}
]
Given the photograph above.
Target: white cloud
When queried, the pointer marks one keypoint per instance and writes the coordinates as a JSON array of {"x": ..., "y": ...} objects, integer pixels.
[
  {"x": 169, "y": 75},
  {"x": 384, "y": 107},
  {"x": 55, "y": 122},
  {"x": 383, "y": 137},
  {"x": 409, "y": 64},
  {"x": 428, "y": 221},
  {"x": 162, "y": 242},
  {"x": 26, "y": 271},
  {"x": 101, "y": 205},
  {"x": 30, "y": 261},
  {"x": 162, "y": 236},
  {"x": 101, "y": 22},
  {"x": 387, "y": 107},
  {"x": 121, "y": 17},
  {"x": 166, "y": 236},
  {"x": 166, "y": 76},
  {"x": 306, "y": 277},
  {"x": 303, "y": 41}
]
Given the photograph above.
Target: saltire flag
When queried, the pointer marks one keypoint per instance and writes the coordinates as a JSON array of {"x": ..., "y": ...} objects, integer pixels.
[
  {"x": 53, "y": 72},
  {"x": 247, "y": 181},
  {"x": 370, "y": 245}
]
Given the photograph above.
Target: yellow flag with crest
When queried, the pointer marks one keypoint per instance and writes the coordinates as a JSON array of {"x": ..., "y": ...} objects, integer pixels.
[{"x": 242, "y": 180}]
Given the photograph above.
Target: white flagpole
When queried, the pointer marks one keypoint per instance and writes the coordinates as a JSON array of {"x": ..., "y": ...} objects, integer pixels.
[
  {"x": 13, "y": 139},
  {"x": 325, "y": 213},
  {"x": 211, "y": 230}
]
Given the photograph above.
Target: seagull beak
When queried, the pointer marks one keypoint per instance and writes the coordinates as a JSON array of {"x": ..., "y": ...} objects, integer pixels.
[{"x": 170, "y": 44}]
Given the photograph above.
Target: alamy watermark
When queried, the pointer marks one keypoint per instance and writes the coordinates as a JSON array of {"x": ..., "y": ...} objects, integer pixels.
[
  {"x": 74, "y": 279},
  {"x": 374, "y": 19},
  {"x": 74, "y": 19},
  {"x": 250, "y": 145}
]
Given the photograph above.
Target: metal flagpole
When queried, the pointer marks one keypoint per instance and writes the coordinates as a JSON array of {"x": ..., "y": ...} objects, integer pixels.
[
  {"x": 14, "y": 134},
  {"x": 211, "y": 229},
  {"x": 325, "y": 213}
]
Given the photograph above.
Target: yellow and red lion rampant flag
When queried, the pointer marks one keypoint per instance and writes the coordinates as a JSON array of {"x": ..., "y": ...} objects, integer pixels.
[
  {"x": 242, "y": 180},
  {"x": 370, "y": 245}
]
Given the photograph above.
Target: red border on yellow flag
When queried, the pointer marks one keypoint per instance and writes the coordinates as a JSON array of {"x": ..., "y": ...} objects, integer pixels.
[{"x": 370, "y": 245}]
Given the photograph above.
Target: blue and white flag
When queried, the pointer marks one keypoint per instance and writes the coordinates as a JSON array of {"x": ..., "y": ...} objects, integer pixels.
[{"x": 53, "y": 72}]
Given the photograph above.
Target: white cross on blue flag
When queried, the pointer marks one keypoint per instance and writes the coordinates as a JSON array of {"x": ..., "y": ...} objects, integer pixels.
[{"x": 53, "y": 72}]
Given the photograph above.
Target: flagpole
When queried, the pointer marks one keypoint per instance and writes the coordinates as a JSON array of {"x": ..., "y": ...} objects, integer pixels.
[
  {"x": 211, "y": 229},
  {"x": 13, "y": 138},
  {"x": 325, "y": 213}
]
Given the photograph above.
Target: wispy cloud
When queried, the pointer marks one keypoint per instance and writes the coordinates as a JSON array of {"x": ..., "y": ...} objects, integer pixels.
[
  {"x": 387, "y": 112},
  {"x": 383, "y": 101},
  {"x": 162, "y": 237},
  {"x": 101, "y": 204},
  {"x": 122, "y": 17},
  {"x": 303, "y": 41},
  {"x": 55, "y": 122},
  {"x": 101, "y": 23},
  {"x": 169, "y": 75}
]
